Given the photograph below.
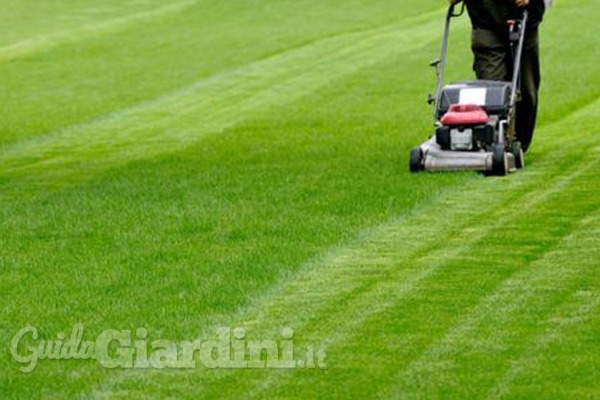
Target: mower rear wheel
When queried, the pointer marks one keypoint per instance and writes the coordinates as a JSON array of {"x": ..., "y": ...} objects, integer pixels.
[
  {"x": 416, "y": 159},
  {"x": 499, "y": 161},
  {"x": 517, "y": 151}
]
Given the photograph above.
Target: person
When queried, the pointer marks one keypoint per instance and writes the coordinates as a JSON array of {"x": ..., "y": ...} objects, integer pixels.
[{"x": 492, "y": 57}]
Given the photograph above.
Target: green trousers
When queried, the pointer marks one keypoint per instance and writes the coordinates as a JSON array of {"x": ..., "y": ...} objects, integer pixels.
[{"x": 493, "y": 60}]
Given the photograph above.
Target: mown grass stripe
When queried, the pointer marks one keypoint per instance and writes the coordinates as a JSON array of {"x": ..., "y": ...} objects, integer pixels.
[
  {"x": 436, "y": 368},
  {"x": 47, "y": 42},
  {"x": 579, "y": 310},
  {"x": 211, "y": 105}
]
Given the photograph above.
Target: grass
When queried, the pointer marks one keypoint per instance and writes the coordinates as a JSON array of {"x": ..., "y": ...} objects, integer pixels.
[{"x": 246, "y": 165}]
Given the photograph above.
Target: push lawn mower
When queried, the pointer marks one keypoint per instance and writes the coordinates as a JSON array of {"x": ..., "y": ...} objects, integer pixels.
[{"x": 474, "y": 120}]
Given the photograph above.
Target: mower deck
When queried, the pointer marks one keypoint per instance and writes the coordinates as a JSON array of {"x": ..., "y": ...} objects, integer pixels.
[{"x": 431, "y": 157}]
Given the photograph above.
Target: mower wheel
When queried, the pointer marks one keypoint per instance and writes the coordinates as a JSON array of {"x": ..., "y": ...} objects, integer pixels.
[
  {"x": 517, "y": 151},
  {"x": 416, "y": 159},
  {"x": 499, "y": 161}
]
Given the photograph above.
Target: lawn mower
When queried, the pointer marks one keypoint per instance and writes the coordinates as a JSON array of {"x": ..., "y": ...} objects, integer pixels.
[{"x": 474, "y": 121}]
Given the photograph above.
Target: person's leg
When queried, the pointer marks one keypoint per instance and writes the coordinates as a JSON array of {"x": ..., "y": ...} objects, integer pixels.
[
  {"x": 491, "y": 55},
  {"x": 530, "y": 83},
  {"x": 493, "y": 60}
]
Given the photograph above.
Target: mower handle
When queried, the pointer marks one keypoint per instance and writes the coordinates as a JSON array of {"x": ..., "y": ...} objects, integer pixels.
[
  {"x": 518, "y": 52},
  {"x": 440, "y": 64}
]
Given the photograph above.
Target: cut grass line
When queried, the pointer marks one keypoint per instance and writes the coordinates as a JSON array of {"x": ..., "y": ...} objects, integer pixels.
[
  {"x": 513, "y": 297},
  {"x": 47, "y": 42},
  {"x": 580, "y": 310},
  {"x": 211, "y": 105},
  {"x": 583, "y": 303}
]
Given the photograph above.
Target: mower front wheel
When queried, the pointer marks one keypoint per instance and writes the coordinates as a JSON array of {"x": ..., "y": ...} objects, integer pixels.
[{"x": 416, "y": 159}]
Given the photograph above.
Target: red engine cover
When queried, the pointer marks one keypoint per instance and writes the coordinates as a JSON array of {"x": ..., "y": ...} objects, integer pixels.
[{"x": 464, "y": 114}]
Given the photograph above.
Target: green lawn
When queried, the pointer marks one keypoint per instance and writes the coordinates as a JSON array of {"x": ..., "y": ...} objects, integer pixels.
[{"x": 197, "y": 164}]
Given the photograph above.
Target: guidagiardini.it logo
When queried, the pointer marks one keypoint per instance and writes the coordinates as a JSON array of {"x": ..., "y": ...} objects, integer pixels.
[{"x": 132, "y": 350}]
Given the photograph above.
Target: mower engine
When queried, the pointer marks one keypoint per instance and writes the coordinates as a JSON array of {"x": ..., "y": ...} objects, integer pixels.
[{"x": 470, "y": 114}]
